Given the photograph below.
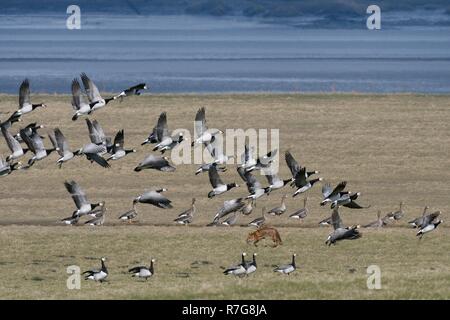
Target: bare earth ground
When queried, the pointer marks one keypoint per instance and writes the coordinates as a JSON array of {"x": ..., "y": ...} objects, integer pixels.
[{"x": 389, "y": 147}]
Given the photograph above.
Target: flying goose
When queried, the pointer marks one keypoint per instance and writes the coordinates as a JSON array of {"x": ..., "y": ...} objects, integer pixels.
[
  {"x": 25, "y": 105},
  {"x": 118, "y": 150},
  {"x": 277, "y": 211},
  {"x": 97, "y": 135},
  {"x": 254, "y": 187},
  {"x": 229, "y": 206},
  {"x": 247, "y": 159},
  {"x": 379, "y": 223},
  {"x": 218, "y": 186},
  {"x": 248, "y": 208},
  {"x": 95, "y": 99},
  {"x": 29, "y": 130},
  {"x": 143, "y": 271},
  {"x": 205, "y": 168},
  {"x": 155, "y": 198},
  {"x": 35, "y": 145},
  {"x": 72, "y": 220},
  {"x": 152, "y": 137},
  {"x": 396, "y": 215},
  {"x": 287, "y": 268},
  {"x": 92, "y": 153},
  {"x": 429, "y": 223},
  {"x": 294, "y": 167},
  {"x": 129, "y": 215},
  {"x": 9, "y": 122},
  {"x": 417, "y": 222},
  {"x": 301, "y": 183},
  {"x": 13, "y": 145},
  {"x": 84, "y": 207},
  {"x": 61, "y": 146},
  {"x": 216, "y": 152},
  {"x": 202, "y": 134},
  {"x": 332, "y": 195},
  {"x": 258, "y": 222},
  {"x": 99, "y": 216},
  {"x": 79, "y": 103},
  {"x": 340, "y": 232},
  {"x": 132, "y": 91},
  {"x": 251, "y": 267},
  {"x": 166, "y": 142},
  {"x": 155, "y": 162},
  {"x": 7, "y": 168},
  {"x": 97, "y": 275},
  {"x": 231, "y": 220},
  {"x": 186, "y": 216},
  {"x": 275, "y": 182},
  {"x": 237, "y": 270},
  {"x": 348, "y": 200},
  {"x": 325, "y": 222},
  {"x": 301, "y": 213},
  {"x": 264, "y": 162}
]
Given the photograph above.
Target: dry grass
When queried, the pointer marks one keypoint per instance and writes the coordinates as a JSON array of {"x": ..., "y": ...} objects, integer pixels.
[{"x": 389, "y": 147}]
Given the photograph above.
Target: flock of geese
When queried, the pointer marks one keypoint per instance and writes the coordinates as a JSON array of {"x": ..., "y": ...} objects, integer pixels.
[{"x": 102, "y": 149}]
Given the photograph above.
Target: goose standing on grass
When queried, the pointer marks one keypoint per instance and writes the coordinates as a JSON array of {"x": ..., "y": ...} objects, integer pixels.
[
  {"x": 155, "y": 162},
  {"x": 379, "y": 223},
  {"x": 61, "y": 146},
  {"x": 84, "y": 207},
  {"x": 13, "y": 145},
  {"x": 7, "y": 168},
  {"x": 248, "y": 208},
  {"x": 205, "y": 168},
  {"x": 187, "y": 216},
  {"x": 301, "y": 182},
  {"x": 166, "y": 142},
  {"x": 218, "y": 186},
  {"x": 237, "y": 270},
  {"x": 396, "y": 215},
  {"x": 79, "y": 103},
  {"x": 301, "y": 213},
  {"x": 340, "y": 232},
  {"x": 429, "y": 223},
  {"x": 118, "y": 150},
  {"x": 99, "y": 216},
  {"x": 287, "y": 268},
  {"x": 250, "y": 267},
  {"x": 129, "y": 215},
  {"x": 154, "y": 197},
  {"x": 277, "y": 211},
  {"x": 35, "y": 145},
  {"x": 132, "y": 91},
  {"x": 326, "y": 222},
  {"x": 10, "y": 121},
  {"x": 258, "y": 222},
  {"x": 143, "y": 271},
  {"x": 231, "y": 220},
  {"x": 331, "y": 195},
  {"x": 417, "y": 222},
  {"x": 202, "y": 134},
  {"x": 25, "y": 105},
  {"x": 95, "y": 99},
  {"x": 97, "y": 275},
  {"x": 229, "y": 206}
]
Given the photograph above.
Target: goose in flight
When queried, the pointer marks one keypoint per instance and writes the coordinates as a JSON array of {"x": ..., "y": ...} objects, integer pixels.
[
  {"x": 275, "y": 182},
  {"x": 13, "y": 145},
  {"x": 331, "y": 195},
  {"x": 254, "y": 187},
  {"x": 229, "y": 206},
  {"x": 97, "y": 275},
  {"x": 25, "y": 105},
  {"x": 216, "y": 182},
  {"x": 216, "y": 152},
  {"x": 248, "y": 161},
  {"x": 10, "y": 121},
  {"x": 61, "y": 146},
  {"x": 154, "y": 197},
  {"x": 429, "y": 223},
  {"x": 294, "y": 167},
  {"x": 264, "y": 162},
  {"x": 348, "y": 200},
  {"x": 202, "y": 134},
  {"x": 301, "y": 182},
  {"x": 417, "y": 222},
  {"x": 97, "y": 135},
  {"x": 340, "y": 232},
  {"x": 166, "y": 142},
  {"x": 30, "y": 130},
  {"x": 36, "y": 145},
  {"x": 95, "y": 99},
  {"x": 84, "y": 207},
  {"x": 132, "y": 91},
  {"x": 79, "y": 103},
  {"x": 205, "y": 168},
  {"x": 152, "y": 137},
  {"x": 155, "y": 162},
  {"x": 99, "y": 215},
  {"x": 7, "y": 168},
  {"x": 92, "y": 153},
  {"x": 118, "y": 150}
]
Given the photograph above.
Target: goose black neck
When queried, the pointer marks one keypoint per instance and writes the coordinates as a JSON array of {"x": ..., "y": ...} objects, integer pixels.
[
  {"x": 108, "y": 100},
  {"x": 34, "y": 106},
  {"x": 104, "y": 267},
  {"x": 129, "y": 151},
  {"x": 293, "y": 261},
  {"x": 254, "y": 260},
  {"x": 151, "y": 267},
  {"x": 231, "y": 185}
]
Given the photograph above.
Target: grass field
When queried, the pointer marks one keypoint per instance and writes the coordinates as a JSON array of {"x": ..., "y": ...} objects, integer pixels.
[{"x": 391, "y": 148}]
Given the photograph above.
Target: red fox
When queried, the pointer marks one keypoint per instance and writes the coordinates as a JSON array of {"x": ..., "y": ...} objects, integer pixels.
[{"x": 264, "y": 232}]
